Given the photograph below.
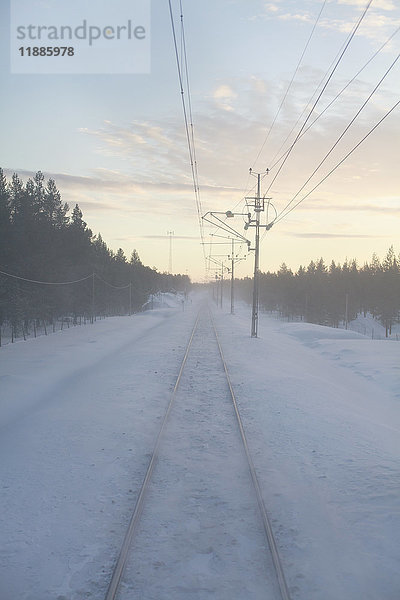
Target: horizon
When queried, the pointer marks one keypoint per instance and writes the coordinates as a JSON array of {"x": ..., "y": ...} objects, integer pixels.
[{"x": 115, "y": 144}]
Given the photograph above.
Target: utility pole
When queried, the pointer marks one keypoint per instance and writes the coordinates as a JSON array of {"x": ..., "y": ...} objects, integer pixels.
[
  {"x": 171, "y": 234},
  {"x": 93, "y": 275},
  {"x": 233, "y": 258},
  {"x": 222, "y": 283},
  {"x": 258, "y": 208},
  {"x": 254, "y": 312},
  {"x": 232, "y": 275},
  {"x": 258, "y": 205}
]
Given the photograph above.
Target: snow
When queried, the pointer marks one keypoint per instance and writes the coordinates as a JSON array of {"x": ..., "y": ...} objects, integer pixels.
[
  {"x": 325, "y": 438},
  {"x": 208, "y": 540},
  {"x": 79, "y": 414},
  {"x": 371, "y": 327}
]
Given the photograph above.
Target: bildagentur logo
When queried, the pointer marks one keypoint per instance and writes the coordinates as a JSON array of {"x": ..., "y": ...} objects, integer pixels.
[{"x": 80, "y": 36}]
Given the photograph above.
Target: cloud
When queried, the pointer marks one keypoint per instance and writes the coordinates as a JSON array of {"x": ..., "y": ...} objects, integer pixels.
[
  {"x": 366, "y": 208},
  {"x": 224, "y": 91},
  {"x": 382, "y": 4},
  {"x": 272, "y": 7},
  {"x": 223, "y": 96},
  {"x": 342, "y": 16},
  {"x": 144, "y": 145},
  {"x": 375, "y": 27},
  {"x": 295, "y": 17},
  {"x": 322, "y": 235},
  {"x": 153, "y": 165},
  {"x": 114, "y": 191},
  {"x": 164, "y": 237},
  {"x": 113, "y": 181}
]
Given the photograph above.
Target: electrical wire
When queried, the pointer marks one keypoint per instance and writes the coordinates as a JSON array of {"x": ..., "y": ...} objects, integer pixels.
[
  {"x": 189, "y": 129},
  {"x": 281, "y": 105},
  {"x": 327, "y": 77},
  {"x": 246, "y": 188},
  {"x": 195, "y": 164},
  {"x": 45, "y": 282},
  {"x": 65, "y": 282},
  {"x": 348, "y": 42},
  {"x": 275, "y": 161},
  {"x": 343, "y": 133},
  {"x": 116, "y": 287},
  {"x": 190, "y": 106},
  {"x": 290, "y": 84},
  {"x": 282, "y": 216},
  {"x": 225, "y": 227}
]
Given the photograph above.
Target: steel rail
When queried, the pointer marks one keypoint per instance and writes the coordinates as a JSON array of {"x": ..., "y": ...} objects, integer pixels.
[
  {"x": 266, "y": 521},
  {"x": 119, "y": 567},
  {"x": 123, "y": 555}
]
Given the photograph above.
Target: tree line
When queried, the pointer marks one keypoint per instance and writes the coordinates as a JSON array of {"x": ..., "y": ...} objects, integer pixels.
[
  {"x": 41, "y": 240},
  {"x": 334, "y": 294}
]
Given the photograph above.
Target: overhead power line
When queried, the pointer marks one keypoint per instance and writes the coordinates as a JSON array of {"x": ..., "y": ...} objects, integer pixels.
[
  {"x": 290, "y": 84},
  {"x": 92, "y": 275},
  {"x": 349, "y": 40},
  {"x": 275, "y": 161},
  {"x": 116, "y": 287},
  {"x": 184, "y": 54},
  {"x": 343, "y": 133},
  {"x": 45, "y": 282},
  {"x": 183, "y": 76},
  {"x": 282, "y": 216}
]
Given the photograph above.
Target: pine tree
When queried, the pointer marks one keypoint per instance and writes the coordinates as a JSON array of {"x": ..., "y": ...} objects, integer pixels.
[
  {"x": 135, "y": 260},
  {"x": 390, "y": 291},
  {"x": 39, "y": 240},
  {"x": 38, "y": 196},
  {"x": 4, "y": 221},
  {"x": 54, "y": 209},
  {"x": 16, "y": 199}
]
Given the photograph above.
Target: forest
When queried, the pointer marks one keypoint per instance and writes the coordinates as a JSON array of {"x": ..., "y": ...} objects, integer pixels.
[
  {"x": 332, "y": 295},
  {"x": 53, "y": 268}
]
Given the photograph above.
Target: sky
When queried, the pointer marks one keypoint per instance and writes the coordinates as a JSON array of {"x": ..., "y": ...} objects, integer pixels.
[{"x": 116, "y": 143}]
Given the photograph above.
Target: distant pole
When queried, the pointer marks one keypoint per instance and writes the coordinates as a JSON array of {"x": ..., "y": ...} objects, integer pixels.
[
  {"x": 171, "y": 234},
  {"x": 254, "y": 314},
  {"x": 347, "y": 311},
  {"x": 232, "y": 275},
  {"x": 222, "y": 282},
  {"x": 93, "y": 298},
  {"x": 306, "y": 309},
  {"x": 130, "y": 299}
]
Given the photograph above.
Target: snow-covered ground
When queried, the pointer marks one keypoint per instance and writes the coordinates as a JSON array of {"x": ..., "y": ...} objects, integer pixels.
[
  {"x": 79, "y": 413},
  {"x": 322, "y": 410},
  {"x": 367, "y": 325},
  {"x": 201, "y": 533},
  {"x": 157, "y": 300}
]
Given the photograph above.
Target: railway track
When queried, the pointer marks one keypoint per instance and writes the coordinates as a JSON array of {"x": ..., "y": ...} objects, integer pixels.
[{"x": 200, "y": 528}]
